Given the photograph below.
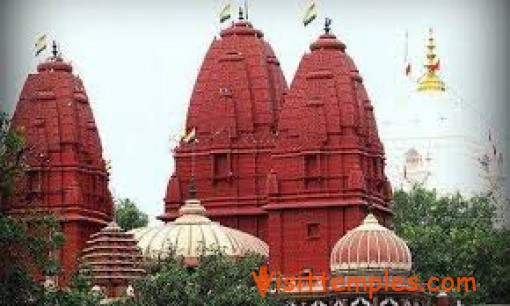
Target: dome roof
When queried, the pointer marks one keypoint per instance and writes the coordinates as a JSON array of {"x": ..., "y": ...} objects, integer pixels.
[
  {"x": 114, "y": 258},
  {"x": 192, "y": 233},
  {"x": 370, "y": 247}
]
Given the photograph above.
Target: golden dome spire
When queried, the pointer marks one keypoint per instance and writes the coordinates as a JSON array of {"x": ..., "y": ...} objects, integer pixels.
[{"x": 430, "y": 81}]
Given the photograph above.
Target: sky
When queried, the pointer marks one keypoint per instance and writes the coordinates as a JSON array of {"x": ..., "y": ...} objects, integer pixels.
[{"x": 139, "y": 60}]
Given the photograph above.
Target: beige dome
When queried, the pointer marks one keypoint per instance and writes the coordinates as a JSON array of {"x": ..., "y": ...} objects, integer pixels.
[
  {"x": 193, "y": 232},
  {"x": 370, "y": 247}
]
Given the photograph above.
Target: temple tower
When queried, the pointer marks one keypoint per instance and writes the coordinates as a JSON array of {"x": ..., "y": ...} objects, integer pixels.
[
  {"x": 328, "y": 163},
  {"x": 233, "y": 110},
  {"x": 438, "y": 140},
  {"x": 66, "y": 172}
]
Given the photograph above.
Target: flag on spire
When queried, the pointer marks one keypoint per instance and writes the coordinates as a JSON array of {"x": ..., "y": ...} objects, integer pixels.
[
  {"x": 408, "y": 69},
  {"x": 225, "y": 13},
  {"x": 190, "y": 137},
  {"x": 310, "y": 14},
  {"x": 437, "y": 65},
  {"x": 40, "y": 44}
]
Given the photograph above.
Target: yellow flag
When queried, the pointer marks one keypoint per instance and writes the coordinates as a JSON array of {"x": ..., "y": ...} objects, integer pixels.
[
  {"x": 190, "y": 137},
  {"x": 225, "y": 12},
  {"x": 40, "y": 44},
  {"x": 310, "y": 14}
]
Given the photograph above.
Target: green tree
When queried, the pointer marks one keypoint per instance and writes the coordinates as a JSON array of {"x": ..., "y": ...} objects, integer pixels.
[
  {"x": 216, "y": 281},
  {"x": 27, "y": 246},
  {"x": 33, "y": 240},
  {"x": 128, "y": 216},
  {"x": 12, "y": 156},
  {"x": 454, "y": 236},
  {"x": 79, "y": 293},
  {"x": 220, "y": 281}
]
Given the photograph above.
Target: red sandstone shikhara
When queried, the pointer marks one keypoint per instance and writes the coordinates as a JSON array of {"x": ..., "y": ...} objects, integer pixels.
[
  {"x": 66, "y": 172},
  {"x": 372, "y": 284}
]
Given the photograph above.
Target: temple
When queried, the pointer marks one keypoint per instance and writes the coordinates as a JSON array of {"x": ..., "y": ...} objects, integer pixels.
[
  {"x": 66, "y": 174},
  {"x": 438, "y": 140},
  {"x": 302, "y": 163},
  {"x": 295, "y": 175}
]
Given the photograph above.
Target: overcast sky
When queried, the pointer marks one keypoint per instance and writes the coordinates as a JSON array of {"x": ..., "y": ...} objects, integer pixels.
[{"x": 139, "y": 60}]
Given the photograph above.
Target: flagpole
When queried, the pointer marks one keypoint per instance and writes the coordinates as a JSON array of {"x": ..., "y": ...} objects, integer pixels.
[
  {"x": 406, "y": 47},
  {"x": 246, "y": 9},
  {"x": 193, "y": 159}
]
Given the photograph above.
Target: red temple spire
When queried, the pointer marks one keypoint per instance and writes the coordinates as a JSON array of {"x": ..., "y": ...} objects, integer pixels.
[
  {"x": 328, "y": 160},
  {"x": 66, "y": 173},
  {"x": 234, "y": 109}
]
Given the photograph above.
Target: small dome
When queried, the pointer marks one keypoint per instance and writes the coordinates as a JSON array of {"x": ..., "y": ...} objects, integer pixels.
[
  {"x": 370, "y": 248},
  {"x": 192, "y": 233}
]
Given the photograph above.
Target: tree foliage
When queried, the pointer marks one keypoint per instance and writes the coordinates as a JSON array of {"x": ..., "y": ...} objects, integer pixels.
[
  {"x": 217, "y": 280},
  {"x": 128, "y": 216},
  {"x": 454, "y": 236},
  {"x": 12, "y": 156},
  {"x": 29, "y": 245},
  {"x": 28, "y": 248},
  {"x": 78, "y": 293}
]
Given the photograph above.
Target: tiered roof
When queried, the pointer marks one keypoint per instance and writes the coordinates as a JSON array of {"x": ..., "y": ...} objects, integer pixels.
[{"x": 114, "y": 259}]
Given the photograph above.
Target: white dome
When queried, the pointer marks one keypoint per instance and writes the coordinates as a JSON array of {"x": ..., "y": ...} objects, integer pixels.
[{"x": 193, "y": 233}]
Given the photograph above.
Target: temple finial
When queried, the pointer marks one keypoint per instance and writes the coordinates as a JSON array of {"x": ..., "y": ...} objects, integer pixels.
[
  {"x": 431, "y": 55},
  {"x": 192, "y": 189},
  {"x": 54, "y": 50},
  {"x": 369, "y": 208},
  {"x": 327, "y": 25},
  {"x": 431, "y": 81},
  {"x": 241, "y": 13}
]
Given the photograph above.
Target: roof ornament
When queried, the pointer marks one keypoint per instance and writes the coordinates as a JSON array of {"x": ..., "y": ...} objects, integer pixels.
[
  {"x": 431, "y": 81},
  {"x": 192, "y": 188},
  {"x": 369, "y": 208},
  {"x": 327, "y": 25},
  {"x": 54, "y": 49},
  {"x": 241, "y": 14}
]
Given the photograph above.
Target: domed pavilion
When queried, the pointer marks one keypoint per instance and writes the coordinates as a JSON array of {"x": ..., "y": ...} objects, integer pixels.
[{"x": 193, "y": 234}]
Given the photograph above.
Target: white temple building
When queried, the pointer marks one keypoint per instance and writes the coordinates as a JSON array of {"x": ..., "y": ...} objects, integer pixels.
[{"x": 437, "y": 140}]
